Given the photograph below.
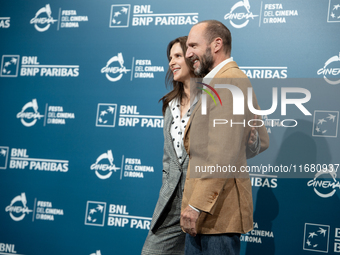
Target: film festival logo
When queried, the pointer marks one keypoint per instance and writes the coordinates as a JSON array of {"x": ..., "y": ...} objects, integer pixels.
[
  {"x": 331, "y": 70},
  {"x": 333, "y": 11},
  {"x": 3, "y": 157},
  {"x": 115, "y": 68},
  {"x": 120, "y": 14},
  {"x": 325, "y": 187},
  {"x": 316, "y": 237},
  {"x": 18, "y": 208},
  {"x": 95, "y": 213},
  {"x": 96, "y": 253},
  {"x": 43, "y": 19},
  {"x": 106, "y": 115},
  {"x": 325, "y": 123},
  {"x": 9, "y": 65},
  {"x": 240, "y": 14},
  {"x": 29, "y": 118},
  {"x": 101, "y": 165}
]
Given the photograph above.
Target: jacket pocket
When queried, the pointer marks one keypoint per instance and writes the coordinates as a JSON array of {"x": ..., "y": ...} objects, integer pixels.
[{"x": 165, "y": 175}]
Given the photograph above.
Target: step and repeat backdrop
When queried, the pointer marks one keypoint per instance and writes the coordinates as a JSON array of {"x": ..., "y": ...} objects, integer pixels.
[{"x": 81, "y": 138}]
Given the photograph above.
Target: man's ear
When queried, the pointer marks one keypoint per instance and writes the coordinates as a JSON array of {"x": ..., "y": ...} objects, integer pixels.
[{"x": 217, "y": 44}]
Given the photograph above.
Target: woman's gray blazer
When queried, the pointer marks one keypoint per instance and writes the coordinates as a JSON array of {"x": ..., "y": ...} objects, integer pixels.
[{"x": 165, "y": 234}]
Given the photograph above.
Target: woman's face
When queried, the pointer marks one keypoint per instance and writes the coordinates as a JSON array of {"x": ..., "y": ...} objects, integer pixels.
[{"x": 178, "y": 65}]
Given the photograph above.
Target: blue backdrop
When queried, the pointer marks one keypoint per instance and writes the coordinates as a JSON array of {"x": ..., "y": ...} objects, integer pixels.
[{"x": 81, "y": 139}]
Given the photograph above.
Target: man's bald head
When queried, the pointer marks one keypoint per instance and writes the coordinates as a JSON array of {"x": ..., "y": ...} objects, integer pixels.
[{"x": 214, "y": 29}]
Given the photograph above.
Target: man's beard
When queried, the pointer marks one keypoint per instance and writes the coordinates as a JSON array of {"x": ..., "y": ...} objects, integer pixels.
[{"x": 206, "y": 64}]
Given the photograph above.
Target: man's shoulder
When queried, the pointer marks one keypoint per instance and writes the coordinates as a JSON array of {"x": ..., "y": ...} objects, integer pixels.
[{"x": 231, "y": 70}]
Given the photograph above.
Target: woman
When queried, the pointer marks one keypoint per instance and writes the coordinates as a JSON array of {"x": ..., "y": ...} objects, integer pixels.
[{"x": 165, "y": 236}]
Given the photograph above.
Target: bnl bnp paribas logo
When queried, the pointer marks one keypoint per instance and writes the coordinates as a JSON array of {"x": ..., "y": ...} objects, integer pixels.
[
  {"x": 120, "y": 15},
  {"x": 240, "y": 14},
  {"x": 331, "y": 70},
  {"x": 95, "y": 213},
  {"x": 325, "y": 123},
  {"x": 4, "y": 151},
  {"x": 143, "y": 15},
  {"x": 316, "y": 237},
  {"x": 43, "y": 19},
  {"x": 333, "y": 11},
  {"x": 128, "y": 117},
  {"x": 5, "y": 22},
  {"x": 118, "y": 216},
  {"x": 9, "y": 66},
  {"x": 106, "y": 115}
]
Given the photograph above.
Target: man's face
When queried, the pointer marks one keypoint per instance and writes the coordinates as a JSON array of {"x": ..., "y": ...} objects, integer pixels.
[{"x": 199, "y": 52}]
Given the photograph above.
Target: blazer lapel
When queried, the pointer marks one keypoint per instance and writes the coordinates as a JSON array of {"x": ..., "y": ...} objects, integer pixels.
[{"x": 168, "y": 144}]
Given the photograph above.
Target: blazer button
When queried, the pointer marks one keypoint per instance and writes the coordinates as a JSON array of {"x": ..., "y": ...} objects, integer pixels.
[{"x": 215, "y": 195}]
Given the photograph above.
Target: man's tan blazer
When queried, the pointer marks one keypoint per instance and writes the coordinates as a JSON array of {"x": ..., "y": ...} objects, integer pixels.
[{"x": 226, "y": 203}]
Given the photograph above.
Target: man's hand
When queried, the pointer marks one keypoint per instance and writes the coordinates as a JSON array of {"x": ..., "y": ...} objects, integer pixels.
[
  {"x": 188, "y": 220},
  {"x": 253, "y": 134}
]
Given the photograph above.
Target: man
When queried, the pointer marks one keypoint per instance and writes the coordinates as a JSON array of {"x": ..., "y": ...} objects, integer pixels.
[{"x": 215, "y": 211}]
